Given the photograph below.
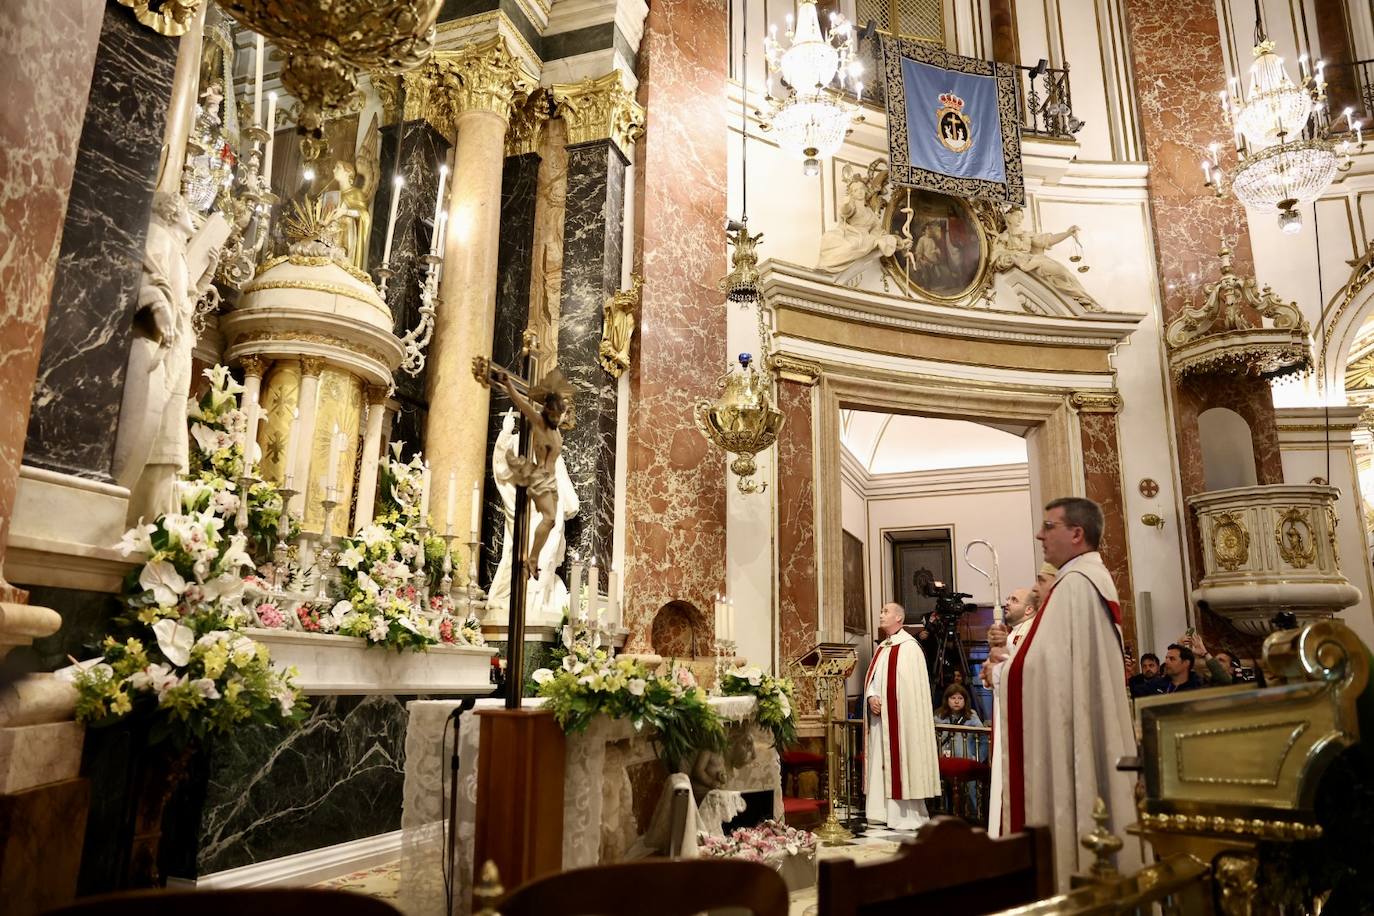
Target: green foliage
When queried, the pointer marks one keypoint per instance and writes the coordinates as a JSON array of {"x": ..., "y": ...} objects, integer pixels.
[{"x": 774, "y": 695}]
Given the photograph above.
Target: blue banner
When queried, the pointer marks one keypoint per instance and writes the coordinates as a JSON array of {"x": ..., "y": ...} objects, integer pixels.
[{"x": 952, "y": 123}]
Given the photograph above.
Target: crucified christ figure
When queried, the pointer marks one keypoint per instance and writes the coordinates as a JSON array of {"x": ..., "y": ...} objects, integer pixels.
[{"x": 538, "y": 472}]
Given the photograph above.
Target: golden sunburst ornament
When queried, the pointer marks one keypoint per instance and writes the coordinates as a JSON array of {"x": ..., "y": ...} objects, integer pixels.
[{"x": 309, "y": 221}]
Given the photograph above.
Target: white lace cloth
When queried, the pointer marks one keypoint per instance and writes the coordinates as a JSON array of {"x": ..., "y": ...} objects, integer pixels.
[{"x": 598, "y": 817}]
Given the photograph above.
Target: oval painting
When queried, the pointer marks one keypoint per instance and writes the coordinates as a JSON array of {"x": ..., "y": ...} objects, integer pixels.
[{"x": 943, "y": 251}]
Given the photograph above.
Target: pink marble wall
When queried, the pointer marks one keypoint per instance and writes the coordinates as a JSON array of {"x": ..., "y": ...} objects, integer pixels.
[
  {"x": 47, "y": 51},
  {"x": 1176, "y": 54},
  {"x": 675, "y": 542},
  {"x": 1102, "y": 477},
  {"x": 798, "y": 602}
]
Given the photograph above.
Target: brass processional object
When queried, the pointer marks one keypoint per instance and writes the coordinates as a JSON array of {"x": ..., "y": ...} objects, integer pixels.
[{"x": 831, "y": 664}]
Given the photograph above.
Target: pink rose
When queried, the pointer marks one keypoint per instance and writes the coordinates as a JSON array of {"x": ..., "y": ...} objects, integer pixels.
[{"x": 269, "y": 615}]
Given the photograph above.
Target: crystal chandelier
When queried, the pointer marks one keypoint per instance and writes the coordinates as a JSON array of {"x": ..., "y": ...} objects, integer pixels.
[
  {"x": 1284, "y": 135},
  {"x": 812, "y": 119}
]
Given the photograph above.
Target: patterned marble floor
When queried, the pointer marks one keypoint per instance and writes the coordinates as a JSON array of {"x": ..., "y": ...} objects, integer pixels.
[{"x": 380, "y": 881}]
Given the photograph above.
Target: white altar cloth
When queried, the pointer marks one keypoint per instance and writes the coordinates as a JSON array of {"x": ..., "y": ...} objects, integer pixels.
[{"x": 598, "y": 822}]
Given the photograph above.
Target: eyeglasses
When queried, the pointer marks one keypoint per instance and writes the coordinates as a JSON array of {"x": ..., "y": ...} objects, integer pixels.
[{"x": 1050, "y": 526}]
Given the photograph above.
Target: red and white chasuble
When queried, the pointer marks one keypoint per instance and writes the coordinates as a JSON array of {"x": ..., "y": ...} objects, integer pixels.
[
  {"x": 999, "y": 728},
  {"x": 1068, "y": 719},
  {"x": 902, "y": 764}
]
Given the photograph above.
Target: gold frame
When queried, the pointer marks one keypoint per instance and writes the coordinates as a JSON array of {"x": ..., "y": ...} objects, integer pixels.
[{"x": 892, "y": 266}]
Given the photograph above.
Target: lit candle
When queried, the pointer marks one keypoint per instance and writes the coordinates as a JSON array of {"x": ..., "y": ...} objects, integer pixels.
[
  {"x": 575, "y": 589},
  {"x": 257, "y": 84},
  {"x": 452, "y": 498},
  {"x": 1207, "y": 171},
  {"x": 424, "y": 496},
  {"x": 439, "y": 199},
  {"x": 335, "y": 442},
  {"x": 271, "y": 136},
  {"x": 397, "y": 183},
  {"x": 476, "y": 527},
  {"x": 293, "y": 442}
]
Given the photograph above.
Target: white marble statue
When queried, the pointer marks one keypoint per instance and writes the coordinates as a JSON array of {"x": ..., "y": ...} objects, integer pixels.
[
  {"x": 548, "y": 594},
  {"x": 859, "y": 240},
  {"x": 178, "y": 266},
  {"x": 1019, "y": 247}
]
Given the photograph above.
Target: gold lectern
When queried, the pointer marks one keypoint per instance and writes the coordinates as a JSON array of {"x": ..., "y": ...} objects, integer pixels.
[{"x": 830, "y": 663}]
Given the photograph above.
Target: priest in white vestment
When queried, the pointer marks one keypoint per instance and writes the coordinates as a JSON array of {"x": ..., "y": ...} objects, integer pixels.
[
  {"x": 903, "y": 767},
  {"x": 1067, "y": 716}
]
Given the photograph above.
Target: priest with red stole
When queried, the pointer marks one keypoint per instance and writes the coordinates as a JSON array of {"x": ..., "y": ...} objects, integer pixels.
[
  {"x": 902, "y": 765},
  {"x": 1068, "y": 719}
]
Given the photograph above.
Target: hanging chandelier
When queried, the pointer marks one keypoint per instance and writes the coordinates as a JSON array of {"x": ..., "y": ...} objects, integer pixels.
[
  {"x": 812, "y": 118},
  {"x": 1288, "y": 147}
]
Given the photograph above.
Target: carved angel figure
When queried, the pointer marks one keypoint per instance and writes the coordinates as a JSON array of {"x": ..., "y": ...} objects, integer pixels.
[
  {"x": 178, "y": 267},
  {"x": 1019, "y": 247},
  {"x": 859, "y": 239},
  {"x": 618, "y": 327},
  {"x": 357, "y": 184}
]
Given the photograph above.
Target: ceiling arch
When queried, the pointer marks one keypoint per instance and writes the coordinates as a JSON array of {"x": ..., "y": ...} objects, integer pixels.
[{"x": 885, "y": 443}]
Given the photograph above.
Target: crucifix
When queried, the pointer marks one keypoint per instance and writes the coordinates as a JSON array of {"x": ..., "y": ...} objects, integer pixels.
[{"x": 543, "y": 408}]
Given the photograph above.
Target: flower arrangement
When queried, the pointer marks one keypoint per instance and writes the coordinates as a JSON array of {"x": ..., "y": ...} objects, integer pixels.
[
  {"x": 216, "y": 463},
  {"x": 774, "y": 695},
  {"x": 589, "y": 683},
  {"x": 378, "y": 588},
  {"x": 769, "y": 842}
]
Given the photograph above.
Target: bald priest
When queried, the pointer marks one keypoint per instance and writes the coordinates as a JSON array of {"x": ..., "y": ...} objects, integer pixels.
[{"x": 903, "y": 767}]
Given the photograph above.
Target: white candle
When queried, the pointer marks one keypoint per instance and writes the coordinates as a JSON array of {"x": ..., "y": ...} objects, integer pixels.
[
  {"x": 452, "y": 497},
  {"x": 730, "y": 619},
  {"x": 475, "y": 527},
  {"x": 593, "y": 583},
  {"x": 397, "y": 183},
  {"x": 257, "y": 84},
  {"x": 613, "y": 593},
  {"x": 332, "y": 472},
  {"x": 271, "y": 135},
  {"x": 439, "y": 199},
  {"x": 719, "y": 619},
  {"x": 440, "y": 227},
  {"x": 250, "y": 434},
  {"x": 575, "y": 590},
  {"x": 293, "y": 441},
  {"x": 424, "y": 495}
]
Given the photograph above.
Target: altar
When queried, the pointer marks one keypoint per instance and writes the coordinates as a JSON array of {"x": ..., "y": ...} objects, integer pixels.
[{"x": 611, "y": 776}]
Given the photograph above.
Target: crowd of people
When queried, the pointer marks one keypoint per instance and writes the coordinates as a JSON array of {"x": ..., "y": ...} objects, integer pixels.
[{"x": 1062, "y": 685}]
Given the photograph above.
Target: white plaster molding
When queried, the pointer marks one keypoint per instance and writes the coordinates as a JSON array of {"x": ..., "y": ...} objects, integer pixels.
[
  {"x": 346, "y": 664},
  {"x": 793, "y": 286},
  {"x": 995, "y": 478},
  {"x": 310, "y": 867},
  {"x": 589, "y": 66},
  {"x": 628, "y": 16}
]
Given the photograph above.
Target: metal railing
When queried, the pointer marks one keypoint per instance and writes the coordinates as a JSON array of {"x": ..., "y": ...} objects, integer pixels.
[
  {"x": 1350, "y": 85},
  {"x": 1046, "y": 102}
]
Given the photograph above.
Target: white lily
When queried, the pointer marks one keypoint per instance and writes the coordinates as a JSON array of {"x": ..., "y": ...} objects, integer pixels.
[
  {"x": 175, "y": 640},
  {"x": 137, "y": 539},
  {"x": 162, "y": 579}
]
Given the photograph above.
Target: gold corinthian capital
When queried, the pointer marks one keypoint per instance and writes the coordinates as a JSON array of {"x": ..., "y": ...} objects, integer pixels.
[
  {"x": 485, "y": 76},
  {"x": 600, "y": 108}
]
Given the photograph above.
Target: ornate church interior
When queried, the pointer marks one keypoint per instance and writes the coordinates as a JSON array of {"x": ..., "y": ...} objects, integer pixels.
[{"x": 685, "y": 456}]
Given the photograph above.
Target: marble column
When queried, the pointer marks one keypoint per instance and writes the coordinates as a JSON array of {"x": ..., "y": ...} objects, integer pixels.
[
  {"x": 376, "y": 396},
  {"x": 477, "y": 87},
  {"x": 675, "y": 480},
  {"x": 86, "y": 344},
  {"x": 419, "y": 148},
  {"x": 603, "y": 120},
  {"x": 798, "y": 594},
  {"x": 515, "y": 259},
  {"x": 46, "y": 56},
  {"x": 1179, "y": 45},
  {"x": 1100, "y": 436}
]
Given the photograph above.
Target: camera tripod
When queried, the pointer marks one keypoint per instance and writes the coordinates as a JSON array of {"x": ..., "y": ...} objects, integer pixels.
[{"x": 949, "y": 653}]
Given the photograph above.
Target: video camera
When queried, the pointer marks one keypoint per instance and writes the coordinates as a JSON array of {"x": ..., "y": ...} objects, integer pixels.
[{"x": 949, "y": 604}]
